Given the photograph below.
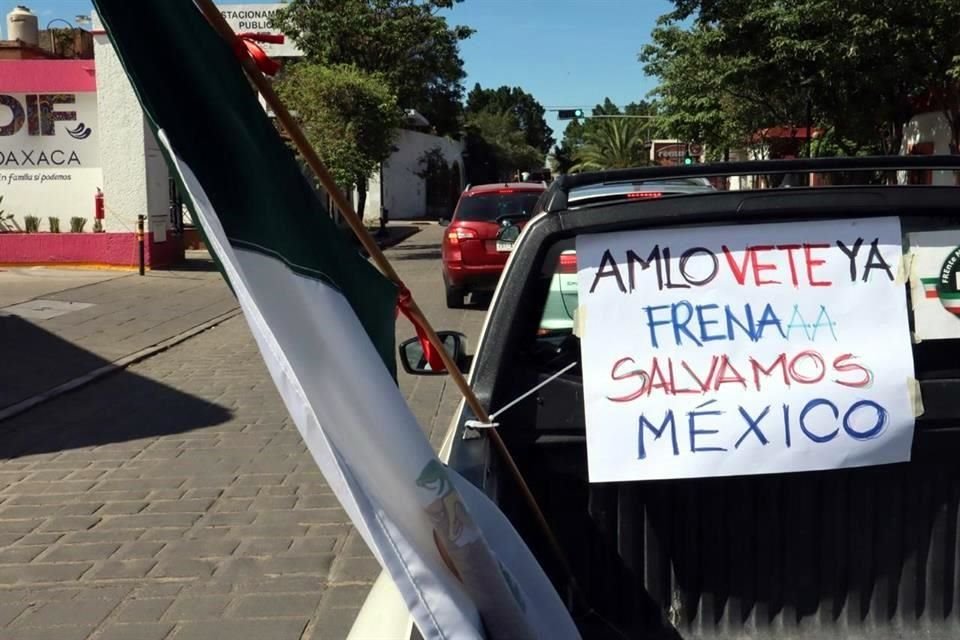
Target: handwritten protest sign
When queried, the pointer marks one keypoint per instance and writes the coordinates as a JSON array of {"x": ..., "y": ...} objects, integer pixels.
[{"x": 718, "y": 351}]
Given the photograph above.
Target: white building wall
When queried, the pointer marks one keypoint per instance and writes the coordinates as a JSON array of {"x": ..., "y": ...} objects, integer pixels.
[
  {"x": 929, "y": 127},
  {"x": 134, "y": 173},
  {"x": 404, "y": 192}
]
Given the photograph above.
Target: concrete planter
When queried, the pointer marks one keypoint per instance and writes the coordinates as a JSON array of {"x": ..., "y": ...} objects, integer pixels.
[{"x": 86, "y": 249}]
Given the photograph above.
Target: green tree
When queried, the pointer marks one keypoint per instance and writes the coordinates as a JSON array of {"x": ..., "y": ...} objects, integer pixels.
[
  {"x": 498, "y": 147},
  {"x": 528, "y": 113},
  {"x": 693, "y": 102},
  {"x": 941, "y": 50},
  {"x": 561, "y": 158},
  {"x": 406, "y": 41},
  {"x": 853, "y": 68},
  {"x": 350, "y": 117},
  {"x": 614, "y": 143}
]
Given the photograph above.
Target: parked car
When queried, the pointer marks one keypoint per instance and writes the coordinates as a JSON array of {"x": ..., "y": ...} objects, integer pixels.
[
  {"x": 561, "y": 305},
  {"x": 472, "y": 257},
  {"x": 861, "y": 553}
]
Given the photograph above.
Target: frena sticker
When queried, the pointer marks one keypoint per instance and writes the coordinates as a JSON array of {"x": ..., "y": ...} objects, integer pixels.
[{"x": 947, "y": 285}]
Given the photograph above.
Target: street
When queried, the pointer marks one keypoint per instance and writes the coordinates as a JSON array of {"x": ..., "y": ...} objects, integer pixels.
[{"x": 174, "y": 498}]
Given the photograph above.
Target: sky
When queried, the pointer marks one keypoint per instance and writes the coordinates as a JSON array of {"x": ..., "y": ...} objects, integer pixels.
[{"x": 567, "y": 53}]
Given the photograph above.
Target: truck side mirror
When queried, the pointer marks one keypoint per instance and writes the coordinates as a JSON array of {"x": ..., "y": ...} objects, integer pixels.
[{"x": 414, "y": 361}]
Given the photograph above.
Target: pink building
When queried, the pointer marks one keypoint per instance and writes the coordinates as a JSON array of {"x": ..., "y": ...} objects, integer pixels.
[{"x": 52, "y": 166}]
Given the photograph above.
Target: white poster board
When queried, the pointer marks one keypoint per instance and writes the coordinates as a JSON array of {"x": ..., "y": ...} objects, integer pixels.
[
  {"x": 749, "y": 349},
  {"x": 935, "y": 284}
]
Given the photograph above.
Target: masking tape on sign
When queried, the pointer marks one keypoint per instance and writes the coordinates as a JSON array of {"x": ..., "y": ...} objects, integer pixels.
[
  {"x": 579, "y": 320},
  {"x": 906, "y": 268},
  {"x": 906, "y": 275},
  {"x": 916, "y": 399}
]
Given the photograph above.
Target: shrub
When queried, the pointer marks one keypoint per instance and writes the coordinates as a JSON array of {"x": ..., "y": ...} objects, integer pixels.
[
  {"x": 77, "y": 224},
  {"x": 31, "y": 224},
  {"x": 54, "y": 224}
]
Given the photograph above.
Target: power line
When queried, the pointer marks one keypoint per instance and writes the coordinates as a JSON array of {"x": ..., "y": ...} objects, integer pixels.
[{"x": 622, "y": 116}]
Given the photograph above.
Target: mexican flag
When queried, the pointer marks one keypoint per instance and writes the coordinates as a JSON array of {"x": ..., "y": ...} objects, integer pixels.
[
  {"x": 323, "y": 319},
  {"x": 932, "y": 288}
]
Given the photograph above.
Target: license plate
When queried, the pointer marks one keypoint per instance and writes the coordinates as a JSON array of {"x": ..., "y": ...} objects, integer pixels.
[{"x": 504, "y": 247}]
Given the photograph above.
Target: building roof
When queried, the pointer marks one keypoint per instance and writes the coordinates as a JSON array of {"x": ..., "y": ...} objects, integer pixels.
[
  {"x": 20, "y": 50},
  {"x": 47, "y": 76},
  {"x": 792, "y": 133}
]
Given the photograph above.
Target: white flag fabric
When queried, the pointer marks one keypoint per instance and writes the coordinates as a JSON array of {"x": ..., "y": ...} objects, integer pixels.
[
  {"x": 324, "y": 321},
  {"x": 405, "y": 504}
]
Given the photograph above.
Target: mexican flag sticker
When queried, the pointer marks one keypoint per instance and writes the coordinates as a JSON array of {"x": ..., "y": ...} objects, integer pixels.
[
  {"x": 946, "y": 287},
  {"x": 935, "y": 284}
]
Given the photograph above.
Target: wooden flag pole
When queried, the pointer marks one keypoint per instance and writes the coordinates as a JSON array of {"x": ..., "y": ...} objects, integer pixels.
[{"x": 263, "y": 85}]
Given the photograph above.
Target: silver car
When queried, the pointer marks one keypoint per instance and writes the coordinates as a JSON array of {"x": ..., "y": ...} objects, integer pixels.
[{"x": 559, "y": 311}]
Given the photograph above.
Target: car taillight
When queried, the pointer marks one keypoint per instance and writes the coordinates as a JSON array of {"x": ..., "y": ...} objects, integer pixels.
[
  {"x": 643, "y": 195},
  {"x": 460, "y": 233},
  {"x": 568, "y": 263}
]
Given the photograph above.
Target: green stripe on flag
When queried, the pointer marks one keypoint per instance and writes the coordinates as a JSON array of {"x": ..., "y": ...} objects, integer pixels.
[
  {"x": 932, "y": 281},
  {"x": 191, "y": 85}
]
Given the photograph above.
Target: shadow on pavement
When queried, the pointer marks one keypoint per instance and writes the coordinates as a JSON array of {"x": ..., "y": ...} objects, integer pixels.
[
  {"x": 194, "y": 263},
  {"x": 429, "y": 254},
  {"x": 33, "y": 360},
  {"x": 418, "y": 251},
  {"x": 119, "y": 407},
  {"x": 416, "y": 247},
  {"x": 480, "y": 301},
  {"x": 394, "y": 234}
]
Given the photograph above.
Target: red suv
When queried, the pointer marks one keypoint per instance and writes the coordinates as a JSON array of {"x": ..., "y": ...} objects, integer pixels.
[{"x": 472, "y": 256}]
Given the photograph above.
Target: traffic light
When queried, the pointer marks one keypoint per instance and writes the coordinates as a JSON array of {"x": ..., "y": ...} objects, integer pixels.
[
  {"x": 569, "y": 114},
  {"x": 687, "y": 159}
]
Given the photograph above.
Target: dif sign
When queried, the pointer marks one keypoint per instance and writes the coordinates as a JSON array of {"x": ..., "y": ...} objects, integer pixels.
[
  {"x": 255, "y": 18},
  {"x": 747, "y": 349},
  {"x": 49, "y": 154},
  {"x": 40, "y": 131}
]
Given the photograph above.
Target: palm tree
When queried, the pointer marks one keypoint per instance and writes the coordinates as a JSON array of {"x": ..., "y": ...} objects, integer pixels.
[{"x": 614, "y": 143}]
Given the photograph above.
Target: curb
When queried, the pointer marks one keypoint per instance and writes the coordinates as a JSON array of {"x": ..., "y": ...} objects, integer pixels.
[
  {"x": 392, "y": 241},
  {"x": 79, "y": 266},
  {"x": 113, "y": 367}
]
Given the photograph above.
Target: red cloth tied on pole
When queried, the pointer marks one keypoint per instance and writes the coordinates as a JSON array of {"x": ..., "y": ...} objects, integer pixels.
[
  {"x": 246, "y": 45},
  {"x": 431, "y": 355}
]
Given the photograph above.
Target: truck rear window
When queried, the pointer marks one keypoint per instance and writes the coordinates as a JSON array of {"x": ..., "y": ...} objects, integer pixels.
[{"x": 487, "y": 207}]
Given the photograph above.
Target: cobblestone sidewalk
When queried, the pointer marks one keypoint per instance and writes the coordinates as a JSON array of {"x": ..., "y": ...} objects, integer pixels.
[
  {"x": 190, "y": 510},
  {"x": 175, "y": 499}
]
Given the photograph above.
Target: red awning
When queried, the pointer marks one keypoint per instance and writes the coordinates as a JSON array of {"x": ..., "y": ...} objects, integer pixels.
[
  {"x": 47, "y": 76},
  {"x": 795, "y": 133}
]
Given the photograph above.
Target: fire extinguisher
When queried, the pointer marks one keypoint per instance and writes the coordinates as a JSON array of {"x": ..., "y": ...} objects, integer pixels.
[{"x": 98, "y": 211}]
